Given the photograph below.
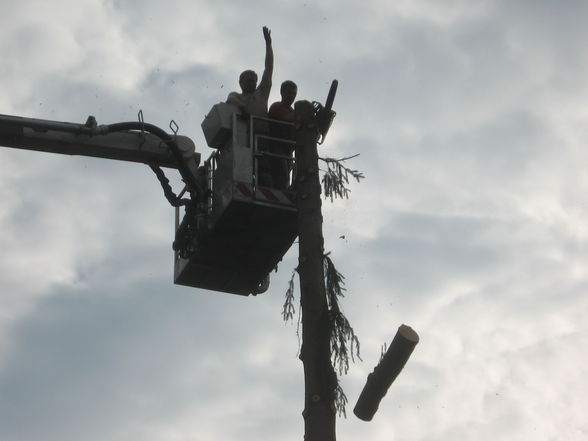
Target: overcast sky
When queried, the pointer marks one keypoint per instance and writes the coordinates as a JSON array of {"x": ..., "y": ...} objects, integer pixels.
[{"x": 471, "y": 225}]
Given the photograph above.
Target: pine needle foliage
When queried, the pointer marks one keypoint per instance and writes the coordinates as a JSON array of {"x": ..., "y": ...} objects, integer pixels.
[
  {"x": 340, "y": 401},
  {"x": 336, "y": 177},
  {"x": 344, "y": 342},
  {"x": 289, "y": 310}
]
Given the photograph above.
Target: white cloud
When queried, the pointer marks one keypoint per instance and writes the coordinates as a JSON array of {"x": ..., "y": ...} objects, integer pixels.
[{"x": 470, "y": 225}]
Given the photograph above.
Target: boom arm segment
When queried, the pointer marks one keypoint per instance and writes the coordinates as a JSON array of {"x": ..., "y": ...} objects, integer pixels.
[{"x": 89, "y": 139}]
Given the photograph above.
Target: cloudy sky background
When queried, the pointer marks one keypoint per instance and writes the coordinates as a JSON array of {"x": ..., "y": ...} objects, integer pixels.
[{"x": 471, "y": 225}]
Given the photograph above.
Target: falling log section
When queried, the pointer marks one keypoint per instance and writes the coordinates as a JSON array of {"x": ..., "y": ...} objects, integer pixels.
[{"x": 384, "y": 374}]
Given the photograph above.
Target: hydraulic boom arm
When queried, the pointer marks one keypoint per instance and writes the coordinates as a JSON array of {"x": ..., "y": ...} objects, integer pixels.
[{"x": 89, "y": 139}]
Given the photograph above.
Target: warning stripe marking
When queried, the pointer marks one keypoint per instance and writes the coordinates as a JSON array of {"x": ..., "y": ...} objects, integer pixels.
[
  {"x": 266, "y": 194},
  {"x": 245, "y": 189},
  {"x": 269, "y": 194}
]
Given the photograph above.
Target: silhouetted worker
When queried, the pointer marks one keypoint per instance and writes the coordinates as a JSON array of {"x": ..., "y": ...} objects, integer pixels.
[
  {"x": 253, "y": 99},
  {"x": 282, "y": 111}
]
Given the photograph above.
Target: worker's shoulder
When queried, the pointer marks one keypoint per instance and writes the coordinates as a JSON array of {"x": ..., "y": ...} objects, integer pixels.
[
  {"x": 279, "y": 110},
  {"x": 235, "y": 95}
]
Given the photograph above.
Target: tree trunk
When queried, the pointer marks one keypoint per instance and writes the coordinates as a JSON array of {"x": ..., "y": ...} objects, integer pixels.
[{"x": 320, "y": 378}]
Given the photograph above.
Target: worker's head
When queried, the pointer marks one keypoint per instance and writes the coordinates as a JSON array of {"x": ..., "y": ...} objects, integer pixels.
[
  {"x": 288, "y": 90},
  {"x": 248, "y": 81}
]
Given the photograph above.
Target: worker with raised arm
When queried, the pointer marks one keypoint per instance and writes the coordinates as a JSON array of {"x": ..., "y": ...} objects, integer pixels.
[{"x": 253, "y": 98}]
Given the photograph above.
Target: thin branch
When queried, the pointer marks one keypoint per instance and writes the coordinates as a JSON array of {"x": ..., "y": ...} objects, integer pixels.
[
  {"x": 335, "y": 179},
  {"x": 288, "y": 310},
  {"x": 340, "y": 159}
]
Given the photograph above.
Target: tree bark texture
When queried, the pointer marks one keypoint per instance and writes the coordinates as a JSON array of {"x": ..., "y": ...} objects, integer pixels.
[{"x": 320, "y": 378}]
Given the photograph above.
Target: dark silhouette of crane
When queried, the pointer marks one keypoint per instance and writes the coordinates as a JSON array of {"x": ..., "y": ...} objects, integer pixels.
[{"x": 231, "y": 232}]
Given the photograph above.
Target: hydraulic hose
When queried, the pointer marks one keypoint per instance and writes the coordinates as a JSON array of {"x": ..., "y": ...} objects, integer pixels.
[
  {"x": 187, "y": 176},
  {"x": 91, "y": 129}
]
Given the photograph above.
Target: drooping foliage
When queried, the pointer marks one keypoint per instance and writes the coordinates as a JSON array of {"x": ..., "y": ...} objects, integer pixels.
[
  {"x": 336, "y": 177},
  {"x": 344, "y": 343}
]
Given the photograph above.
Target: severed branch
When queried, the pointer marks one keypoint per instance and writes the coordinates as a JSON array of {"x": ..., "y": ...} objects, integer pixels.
[{"x": 384, "y": 374}]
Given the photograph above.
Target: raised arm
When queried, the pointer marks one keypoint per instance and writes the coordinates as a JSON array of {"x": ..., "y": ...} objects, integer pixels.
[{"x": 266, "y": 78}]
